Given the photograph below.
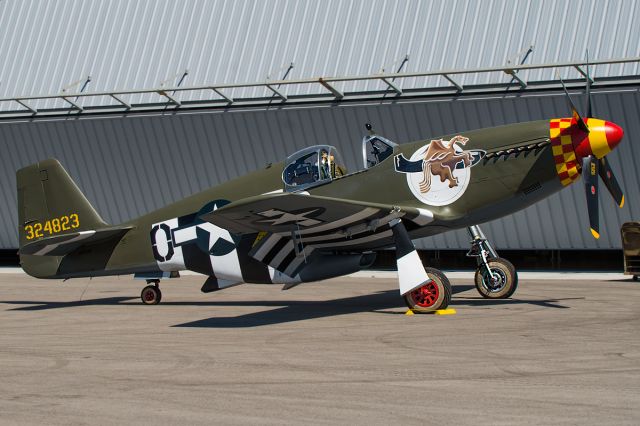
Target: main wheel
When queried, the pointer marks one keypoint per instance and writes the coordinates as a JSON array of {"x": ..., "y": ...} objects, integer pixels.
[
  {"x": 432, "y": 296},
  {"x": 151, "y": 295},
  {"x": 635, "y": 278},
  {"x": 501, "y": 283}
]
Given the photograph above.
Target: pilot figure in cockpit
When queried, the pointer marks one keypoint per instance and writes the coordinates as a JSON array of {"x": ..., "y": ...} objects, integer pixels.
[{"x": 324, "y": 165}]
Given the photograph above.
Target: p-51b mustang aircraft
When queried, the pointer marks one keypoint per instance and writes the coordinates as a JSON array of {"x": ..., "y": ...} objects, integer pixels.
[{"x": 307, "y": 219}]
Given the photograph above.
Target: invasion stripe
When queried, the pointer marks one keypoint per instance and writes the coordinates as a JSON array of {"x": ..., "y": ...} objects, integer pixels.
[
  {"x": 268, "y": 258},
  {"x": 281, "y": 255},
  {"x": 288, "y": 259},
  {"x": 266, "y": 246},
  {"x": 363, "y": 214},
  {"x": 336, "y": 238},
  {"x": 355, "y": 230}
]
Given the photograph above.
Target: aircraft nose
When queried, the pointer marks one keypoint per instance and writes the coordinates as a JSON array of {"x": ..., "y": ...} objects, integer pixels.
[
  {"x": 603, "y": 137},
  {"x": 614, "y": 134}
]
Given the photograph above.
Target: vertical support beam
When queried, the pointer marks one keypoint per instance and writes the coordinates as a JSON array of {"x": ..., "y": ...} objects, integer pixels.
[
  {"x": 222, "y": 95},
  {"x": 584, "y": 74},
  {"x": 73, "y": 104},
  {"x": 277, "y": 93},
  {"x": 392, "y": 86},
  {"x": 338, "y": 94},
  {"x": 514, "y": 75},
  {"x": 171, "y": 99},
  {"x": 24, "y": 104},
  {"x": 124, "y": 104},
  {"x": 455, "y": 83}
]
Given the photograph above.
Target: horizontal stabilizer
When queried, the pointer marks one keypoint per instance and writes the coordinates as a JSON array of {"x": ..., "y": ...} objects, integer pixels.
[{"x": 60, "y": 245}]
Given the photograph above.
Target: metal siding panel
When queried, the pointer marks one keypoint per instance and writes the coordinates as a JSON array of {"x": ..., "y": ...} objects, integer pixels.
[{"x": 125, "y": 45}]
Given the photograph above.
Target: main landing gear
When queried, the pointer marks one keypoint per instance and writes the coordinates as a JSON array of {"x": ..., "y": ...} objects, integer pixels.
[
  {"x": 435, "y": 294},
  {"x": 496, "y": 278},
  {"x": 423, "y": 289},
  {"x": 151, "y": 294}
]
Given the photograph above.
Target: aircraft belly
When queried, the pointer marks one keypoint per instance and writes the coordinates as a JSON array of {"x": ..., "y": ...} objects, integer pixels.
[{"x": 227, "y": 267}]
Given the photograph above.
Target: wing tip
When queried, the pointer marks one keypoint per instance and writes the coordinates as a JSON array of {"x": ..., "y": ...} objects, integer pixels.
[
  {"x": 595, "y": 234},
  {"x": 621, "y": 205}
]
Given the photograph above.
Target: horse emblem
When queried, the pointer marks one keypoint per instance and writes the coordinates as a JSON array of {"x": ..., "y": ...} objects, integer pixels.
[{"x": 445, "y": 159}]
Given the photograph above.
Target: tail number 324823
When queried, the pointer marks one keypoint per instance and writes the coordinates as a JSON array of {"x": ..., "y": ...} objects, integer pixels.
[{"x": 52, "y": 226}]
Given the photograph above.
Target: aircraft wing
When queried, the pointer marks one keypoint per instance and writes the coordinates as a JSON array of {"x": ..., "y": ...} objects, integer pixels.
[
  {"x": 60, "y": 245},
  {"x": 292, "y": 226}
]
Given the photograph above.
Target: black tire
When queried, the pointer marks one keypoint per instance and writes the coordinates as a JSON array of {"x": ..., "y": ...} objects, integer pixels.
[
  {"x": 151, "y": 295},
  {"x": 635, "y": 278},
  {"x": 443, "y": 286},
  {"x": 505, "y": 275}
]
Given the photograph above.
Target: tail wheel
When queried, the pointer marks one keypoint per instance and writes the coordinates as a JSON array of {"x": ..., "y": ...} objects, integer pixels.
[
  {"x": 501, "y": 283},
  {"x": 151, "y": 295},
  {"x": 433, "y": 295}
]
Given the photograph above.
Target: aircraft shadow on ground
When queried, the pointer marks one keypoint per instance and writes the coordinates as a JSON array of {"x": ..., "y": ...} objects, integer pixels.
[
  {"x": 287, "y": 310},
  {"x": 380, "y": 302},
  {"x": 38, "y": 305}
]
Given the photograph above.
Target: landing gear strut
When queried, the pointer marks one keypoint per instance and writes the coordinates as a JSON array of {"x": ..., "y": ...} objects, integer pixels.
[
  {"x": 151, "y": 294},
  {"x": 496, "y": 278},
  {"x": 423, "y": 289}
]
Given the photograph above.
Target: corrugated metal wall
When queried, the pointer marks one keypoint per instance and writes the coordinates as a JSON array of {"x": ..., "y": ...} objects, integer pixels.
[
  {"x": 130, "y": 165},
  {"x": 122, "y": 44}
]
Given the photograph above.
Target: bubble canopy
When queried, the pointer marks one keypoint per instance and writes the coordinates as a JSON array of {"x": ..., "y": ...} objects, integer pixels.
[{"x": 312, "y": 166}]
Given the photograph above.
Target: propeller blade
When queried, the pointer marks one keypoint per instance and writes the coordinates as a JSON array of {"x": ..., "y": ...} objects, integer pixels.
[
  {"x": 610, "y": 181},
  {"x": 576, "y": 115},
  {"x": 588, "y": 108},
  {"x": 590, "y": 176}
]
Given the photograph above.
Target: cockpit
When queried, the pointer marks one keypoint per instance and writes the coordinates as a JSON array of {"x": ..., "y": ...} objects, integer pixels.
[
  {"x": 320, "y": 164},
  {"x": 312, "y": 166},
  {"x": 376, "y": 149}
]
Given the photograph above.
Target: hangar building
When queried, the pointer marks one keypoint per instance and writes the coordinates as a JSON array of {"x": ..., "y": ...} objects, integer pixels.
[{"x": 146, "y": 102}]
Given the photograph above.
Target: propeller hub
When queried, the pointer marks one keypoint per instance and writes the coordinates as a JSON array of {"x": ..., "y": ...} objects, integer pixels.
[{"x": 602, "y": 138}]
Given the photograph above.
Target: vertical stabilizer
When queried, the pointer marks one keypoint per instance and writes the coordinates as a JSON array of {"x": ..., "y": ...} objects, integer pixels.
[{"x": 50, "y": 203}]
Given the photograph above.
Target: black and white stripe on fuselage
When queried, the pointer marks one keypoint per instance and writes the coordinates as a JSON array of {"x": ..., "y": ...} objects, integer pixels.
[{"x": 289, "y": 252}]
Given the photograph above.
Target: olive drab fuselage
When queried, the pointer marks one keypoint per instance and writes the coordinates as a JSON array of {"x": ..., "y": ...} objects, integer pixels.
[{"x": 461, "y": 179}]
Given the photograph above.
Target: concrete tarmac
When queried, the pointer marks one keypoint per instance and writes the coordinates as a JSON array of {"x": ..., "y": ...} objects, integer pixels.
[{"x": 340, "y": 351}]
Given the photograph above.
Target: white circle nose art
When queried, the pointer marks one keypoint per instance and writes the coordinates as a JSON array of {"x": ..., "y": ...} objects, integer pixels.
[
  {"x": 162, "y": 245},
  {"x": 446, "y": 171}
]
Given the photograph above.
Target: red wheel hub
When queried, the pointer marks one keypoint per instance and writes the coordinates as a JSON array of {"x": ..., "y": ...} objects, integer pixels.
[
  {"x": 427, "y": 295},
  {"x": 149, "y": 295}
]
